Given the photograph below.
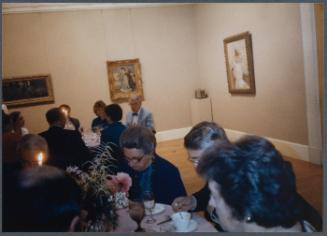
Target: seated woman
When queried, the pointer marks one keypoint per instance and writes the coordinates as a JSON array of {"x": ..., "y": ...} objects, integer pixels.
[
  {"x": 18, "y": 123},
  {"x": 149, "y": 171},
  {"x": 252, "y": 191},
  {"x": 111, "y": 133},
  {"x": 99, "y": 122}
]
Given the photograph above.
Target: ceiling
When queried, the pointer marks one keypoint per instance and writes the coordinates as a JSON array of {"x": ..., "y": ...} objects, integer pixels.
[{"x": 51, "y": 7}]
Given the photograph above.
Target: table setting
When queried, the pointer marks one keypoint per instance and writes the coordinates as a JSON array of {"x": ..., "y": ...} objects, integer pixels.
[
  {"x": 91, "y": 139},
  {"x": 165, "y": 220}
]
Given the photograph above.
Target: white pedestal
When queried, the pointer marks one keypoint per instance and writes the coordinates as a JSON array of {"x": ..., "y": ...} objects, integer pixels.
[{"x": 201, "y": 110}]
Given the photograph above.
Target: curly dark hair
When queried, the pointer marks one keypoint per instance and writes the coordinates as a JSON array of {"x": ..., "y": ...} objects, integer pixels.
[{"x": 254, "y": 181}]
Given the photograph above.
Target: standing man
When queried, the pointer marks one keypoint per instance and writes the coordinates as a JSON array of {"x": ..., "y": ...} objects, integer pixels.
[{"x": 139, "y": 115}]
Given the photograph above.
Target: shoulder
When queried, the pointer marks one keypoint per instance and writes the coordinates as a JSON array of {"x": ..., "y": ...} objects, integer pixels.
[
  {"x": 145, "y": 111},
  {"x": 163, "y": 163}
]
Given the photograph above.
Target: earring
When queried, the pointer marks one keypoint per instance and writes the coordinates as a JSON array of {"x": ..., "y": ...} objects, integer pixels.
[{"x": 248, "y": 219}]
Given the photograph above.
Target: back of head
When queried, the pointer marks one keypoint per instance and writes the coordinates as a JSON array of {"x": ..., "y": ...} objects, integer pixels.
[
  {"x": 138, "y": 137},
  {"x": 30, "y": 146},
  {"x": 66, "y": 107},
  {"x": 135, "y": 98},
  {"x": 54, "y": 115},
  {"x": 254, "y": 181},
  {"x": 203, "y": 135},
  {"x": 47, "y": 200},
  {"x": 114, "y": 112}
]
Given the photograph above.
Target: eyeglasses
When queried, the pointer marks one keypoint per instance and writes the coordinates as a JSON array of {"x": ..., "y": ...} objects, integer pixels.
[
  {"x": 135, "y": 159},
  {"x": 194, "y": 160}
]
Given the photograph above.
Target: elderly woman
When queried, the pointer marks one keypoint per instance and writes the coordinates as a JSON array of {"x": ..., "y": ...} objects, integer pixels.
[
  {"x": 149, "y": 171},
  {"x": 253, "y": 189}
]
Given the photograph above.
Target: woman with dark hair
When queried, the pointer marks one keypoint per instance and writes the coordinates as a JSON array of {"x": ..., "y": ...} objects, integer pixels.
[
  {"x": 99, "y": 122},
  {"x": 149, "y": 171},
  {"x": 252, "y": 191},
  {"x": 18, "y": 123},
  {"x": 114, "y": 127}
]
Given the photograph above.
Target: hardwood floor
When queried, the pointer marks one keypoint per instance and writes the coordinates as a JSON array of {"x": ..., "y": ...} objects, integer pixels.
[{"x": 308, "y": 176}]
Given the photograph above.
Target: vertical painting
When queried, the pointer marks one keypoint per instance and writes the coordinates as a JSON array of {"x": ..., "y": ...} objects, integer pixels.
[
  {"x": 239, "y": 63},
  {"x": 124, "y": 79}
]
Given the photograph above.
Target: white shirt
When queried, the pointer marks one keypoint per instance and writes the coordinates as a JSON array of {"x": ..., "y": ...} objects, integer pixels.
[{"x": 135, "y": 118}]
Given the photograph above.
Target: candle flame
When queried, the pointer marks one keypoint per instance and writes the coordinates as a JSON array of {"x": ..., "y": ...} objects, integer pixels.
[{"x": 40, "y": 158}]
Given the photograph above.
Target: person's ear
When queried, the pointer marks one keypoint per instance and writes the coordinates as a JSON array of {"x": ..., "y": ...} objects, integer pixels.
[{"x": 74, "y": 223}]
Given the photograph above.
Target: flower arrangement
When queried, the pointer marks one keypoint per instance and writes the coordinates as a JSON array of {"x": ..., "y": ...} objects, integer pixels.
[
  {"x": 102, "y": 190},
  {"x": 119, "y": 185}
]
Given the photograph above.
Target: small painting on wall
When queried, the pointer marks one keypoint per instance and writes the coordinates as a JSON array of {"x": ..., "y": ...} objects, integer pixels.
[
  {"x": 124, "y": 79},
  {"x": 27, "y": 91},
  {"x": 239, "y": 64}
]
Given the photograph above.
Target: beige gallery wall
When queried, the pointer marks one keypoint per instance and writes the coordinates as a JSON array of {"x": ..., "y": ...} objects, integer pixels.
[
  {"x": 74, "y": 46},
  {"x": 180, "y": 49},
  {"x": 278, "y": 108}
]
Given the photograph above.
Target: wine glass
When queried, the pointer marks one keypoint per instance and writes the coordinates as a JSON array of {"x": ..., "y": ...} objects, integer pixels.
[
  {"x": 137, "y": 213},
  {"x": 149, "y": 204}
]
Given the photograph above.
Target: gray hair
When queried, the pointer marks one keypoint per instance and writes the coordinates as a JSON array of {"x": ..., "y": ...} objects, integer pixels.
[
  {"x": 135, "y": 98},
  {"x": 32, "y": 142}
]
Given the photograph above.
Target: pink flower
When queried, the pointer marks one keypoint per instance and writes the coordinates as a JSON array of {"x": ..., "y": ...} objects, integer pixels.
[{"x": 119, "y": 183}]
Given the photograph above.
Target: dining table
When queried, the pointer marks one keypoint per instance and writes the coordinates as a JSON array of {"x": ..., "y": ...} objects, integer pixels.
[{"x": 126, "y": 224}]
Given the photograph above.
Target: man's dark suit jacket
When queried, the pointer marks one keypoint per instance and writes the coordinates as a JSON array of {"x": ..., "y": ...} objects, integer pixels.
[
  {"x": 75, "y": 122},
  {"x": 66, "y": 147}
]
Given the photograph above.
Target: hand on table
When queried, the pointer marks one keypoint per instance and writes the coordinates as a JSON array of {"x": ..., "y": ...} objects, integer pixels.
[{"x": 183, "y": 204}]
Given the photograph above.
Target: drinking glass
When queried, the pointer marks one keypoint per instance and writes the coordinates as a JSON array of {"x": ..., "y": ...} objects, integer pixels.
[
  {"x": 149, "y": 204},
  {"x": 137, "y": 213}
]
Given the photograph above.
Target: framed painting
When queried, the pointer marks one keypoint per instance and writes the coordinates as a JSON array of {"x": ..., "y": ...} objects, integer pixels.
[
  {"x": 27, "y": 91},
  {"x": 239, "y": 64},
  {"x": 124, "y": 79}
]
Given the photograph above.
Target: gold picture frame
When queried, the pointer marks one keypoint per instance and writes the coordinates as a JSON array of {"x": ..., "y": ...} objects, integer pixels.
[
  {"x": 27, "y": 91},
  {"x": 239, "y": 64},
  {"x": 124, "y": 79}
]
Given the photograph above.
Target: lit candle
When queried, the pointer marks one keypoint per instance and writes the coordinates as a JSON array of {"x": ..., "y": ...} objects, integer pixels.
[{"x": 40, "y": 159}]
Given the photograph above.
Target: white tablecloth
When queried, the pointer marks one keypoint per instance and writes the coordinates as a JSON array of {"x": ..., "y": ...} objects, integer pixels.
[
  {"x": 91, "y": 139},
  {"x": 126, "y": 224}
]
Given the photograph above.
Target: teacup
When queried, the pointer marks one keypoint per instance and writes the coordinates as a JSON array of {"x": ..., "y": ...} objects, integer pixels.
[{"x": 181, "y": 220}]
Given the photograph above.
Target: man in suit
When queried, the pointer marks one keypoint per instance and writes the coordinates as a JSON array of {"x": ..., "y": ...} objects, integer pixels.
[
  {"x": 71, "y": 122},
  {"x": 139, "y": 115},
  {"x": 66, "y": 147},
  {"x": 201, "y": 137}
]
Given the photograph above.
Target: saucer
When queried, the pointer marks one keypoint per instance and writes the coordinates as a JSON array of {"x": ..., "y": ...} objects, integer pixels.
[
  {"x": 158, "y": 208},
  {"x": 193, "y": 225}
]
